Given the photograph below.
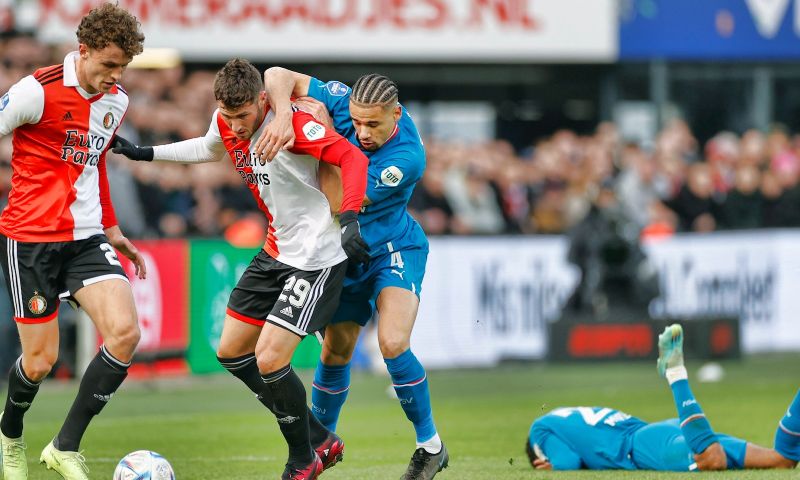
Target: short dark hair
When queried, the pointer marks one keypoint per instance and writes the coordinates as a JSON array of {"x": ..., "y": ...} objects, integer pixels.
[
  {"x": 375, "y": 89},
  {"x": 529, "y": 450},
  {"x": 237, "y": 83},
  {"x": 109, "y": 24}
]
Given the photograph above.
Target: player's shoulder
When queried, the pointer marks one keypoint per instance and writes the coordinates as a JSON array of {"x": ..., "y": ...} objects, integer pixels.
[
  {"x": 48, "y": 75},
  {"x": 332, "y": 88}
]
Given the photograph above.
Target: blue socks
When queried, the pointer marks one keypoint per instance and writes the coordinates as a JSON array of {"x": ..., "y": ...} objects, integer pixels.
[
  {"x": 411, "y": 385},
  {"x": 787, "y": 437},
  {"x": 328, "y": 393},
  {"x": 694, "y": 424}
]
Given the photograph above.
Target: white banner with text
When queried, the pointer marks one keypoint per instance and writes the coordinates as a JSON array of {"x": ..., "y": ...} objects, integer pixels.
[
  {"x": 357, "y": 30},
  {"x": 489, "y": 299}
]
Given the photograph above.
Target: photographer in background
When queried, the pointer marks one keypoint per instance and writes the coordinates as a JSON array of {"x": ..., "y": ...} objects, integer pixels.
[{"x": 616, "y": 279}]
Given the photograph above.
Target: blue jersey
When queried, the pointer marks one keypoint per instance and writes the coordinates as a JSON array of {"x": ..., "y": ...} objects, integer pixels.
[
  {"x": 586, "y": 437},
  {"x": 394, "y": 170},
  {"x": 603, "y": 438}
]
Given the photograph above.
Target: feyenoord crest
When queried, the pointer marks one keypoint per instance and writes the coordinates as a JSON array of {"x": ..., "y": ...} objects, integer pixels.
[
  {"x": 37, "y": 304},
  {"x": 108, "y": 120}
]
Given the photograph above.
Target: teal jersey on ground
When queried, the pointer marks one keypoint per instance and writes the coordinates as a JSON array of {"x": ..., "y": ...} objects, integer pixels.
[
  {"x": 394, "y": 170},
  {"x": 586, "y": 437},
  {"x": 599, "y": 438}
]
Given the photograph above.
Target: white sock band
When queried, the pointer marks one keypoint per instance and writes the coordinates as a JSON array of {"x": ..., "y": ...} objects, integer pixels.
[
  {"x": 676, "y": 373},
  {"x": 432, "y": 445}
]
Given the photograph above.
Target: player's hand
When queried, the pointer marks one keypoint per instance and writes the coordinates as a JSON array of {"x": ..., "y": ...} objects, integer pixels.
[
  {"x": 354, "y": 246},
  {"x": 540, "y": 464},
  {"x": 317, "y": 110},
  {"x": 122, "y": 146},
  {"x": 277, "y": 135},
  {"x": 124, "y": 246}
]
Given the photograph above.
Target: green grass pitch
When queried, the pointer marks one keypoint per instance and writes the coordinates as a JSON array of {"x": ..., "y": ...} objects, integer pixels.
[{"x": 212, "y": 428}]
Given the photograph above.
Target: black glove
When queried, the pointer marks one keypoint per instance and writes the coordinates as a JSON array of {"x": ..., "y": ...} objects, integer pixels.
[
  {"x": 124, "y": 147},
  {"x": 354, "y": 246}
]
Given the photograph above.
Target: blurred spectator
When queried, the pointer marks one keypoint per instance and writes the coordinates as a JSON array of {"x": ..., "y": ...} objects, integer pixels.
[
  {"x": 639, "y": 185},
  {"x": 473, "y": 201},
  {"x": 694, "y": 203},
  {"x": 429, "y": 203},
  {"x": 742, "y": 208}
]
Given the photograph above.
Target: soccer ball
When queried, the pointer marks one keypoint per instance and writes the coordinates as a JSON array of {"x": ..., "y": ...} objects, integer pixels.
[{"x": 143, "y": 465}]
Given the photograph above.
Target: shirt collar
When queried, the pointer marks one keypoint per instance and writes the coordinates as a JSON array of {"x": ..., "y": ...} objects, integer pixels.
[{"x": 70, "y": 75}]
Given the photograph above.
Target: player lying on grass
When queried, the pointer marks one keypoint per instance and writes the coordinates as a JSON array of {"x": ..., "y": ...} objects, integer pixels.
[{"x": 598, "y": 438}]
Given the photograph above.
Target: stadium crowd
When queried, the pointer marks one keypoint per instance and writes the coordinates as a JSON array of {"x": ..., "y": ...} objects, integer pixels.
[{"x": 678, "y": 184}]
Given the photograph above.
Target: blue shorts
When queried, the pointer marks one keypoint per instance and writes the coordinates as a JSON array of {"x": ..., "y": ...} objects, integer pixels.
[
  {"x": 403, "y": 269},
  {"x": 662, "y": 446}
]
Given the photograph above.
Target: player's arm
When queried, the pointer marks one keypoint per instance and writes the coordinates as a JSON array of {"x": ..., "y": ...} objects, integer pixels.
[
  {"x": 22, "y": 104},
  {"x": 195, "y": 150},
  {"x": 329, "y": 147},
  {"x": 110, "y": 226},
  {"x": 555, "y": 454},
  {"x": 281, "y": 85}
]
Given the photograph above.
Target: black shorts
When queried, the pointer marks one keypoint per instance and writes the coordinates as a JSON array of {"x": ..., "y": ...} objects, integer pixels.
[
  {"x": 299, "y": 301},
  {"x": 39, "y": 274}
]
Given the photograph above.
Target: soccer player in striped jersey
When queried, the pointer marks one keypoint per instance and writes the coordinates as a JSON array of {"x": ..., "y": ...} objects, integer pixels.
[
  {"x": 598, "y": 438},
  {"x": 372, "y": 118},
  {"x": 58, "y": 232},
  {"x": 292, "y": 286}
]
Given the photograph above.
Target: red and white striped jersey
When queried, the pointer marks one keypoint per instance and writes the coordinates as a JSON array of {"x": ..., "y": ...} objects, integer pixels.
[
  {"x": 59, "y": 187},
  {"x": 302, "y": 232}
]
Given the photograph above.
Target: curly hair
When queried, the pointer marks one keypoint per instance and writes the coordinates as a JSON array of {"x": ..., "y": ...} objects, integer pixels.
[
  {"x": 109, "y": 24},
  {"x": 237, "y": 83}
]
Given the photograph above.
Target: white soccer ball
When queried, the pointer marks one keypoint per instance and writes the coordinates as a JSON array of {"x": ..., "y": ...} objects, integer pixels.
[{"x": 144, "y": 465}]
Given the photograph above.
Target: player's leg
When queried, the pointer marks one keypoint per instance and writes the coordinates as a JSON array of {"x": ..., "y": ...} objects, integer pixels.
[
  {"x": 29, "y": 270},
  {"x": 306, "y": 304},
  {"x": 236, "y": 353},
  {"x": 787, "y": 436},
  {"x": 39, "y": 354},
  {"x": 332, "y": 376},
  {"x": 237, "y": 347},
  {"x": 110, "y": 305},
  {"x": 693, "y": 422},
  {"x": 397, "y": 308},
  {"x": 93, "y": 277},
  {"x": 758, "y": 457}
]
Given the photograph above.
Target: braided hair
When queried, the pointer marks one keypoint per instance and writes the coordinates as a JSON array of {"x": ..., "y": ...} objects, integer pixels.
[{"x": 375, "y": 89}]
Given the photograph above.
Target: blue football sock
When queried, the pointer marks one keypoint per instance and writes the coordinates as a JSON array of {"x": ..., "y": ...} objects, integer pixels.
[
  {"x": 787, "y": 437},
  {"x": 411, "y": 385},
  {"x": 328, "y": 393},
  {"x": 694, "y": 424}
]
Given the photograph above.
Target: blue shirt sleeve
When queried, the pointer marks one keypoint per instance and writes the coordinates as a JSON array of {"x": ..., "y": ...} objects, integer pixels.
[
  {"x": 735, "y": 449},
  {"x": 336, "y": 97},
  {"x": 395, "y": 173}
]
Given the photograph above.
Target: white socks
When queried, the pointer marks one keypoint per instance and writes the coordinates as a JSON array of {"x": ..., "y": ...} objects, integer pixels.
[
  {"x": 432, "y": 445},
  {"x": 674, "y": 374}
]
